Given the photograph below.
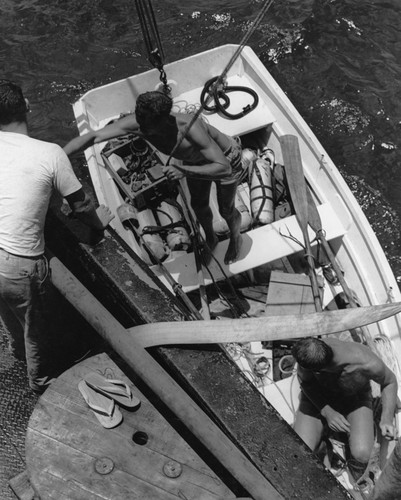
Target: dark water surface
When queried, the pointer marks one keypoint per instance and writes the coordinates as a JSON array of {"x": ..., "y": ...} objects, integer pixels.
[{"x": 339, "y": 61}]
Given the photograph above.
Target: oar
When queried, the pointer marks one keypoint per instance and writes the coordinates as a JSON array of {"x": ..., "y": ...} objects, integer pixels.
[
  {"x": 316, "y": 224},
  {"x": 297, "y": 187},
  {"x": 384, "y": 348},
  {"x": 224, "y": 331},
  {"x": 267, "y": 328},
  {"x": 159, "y": 381}
]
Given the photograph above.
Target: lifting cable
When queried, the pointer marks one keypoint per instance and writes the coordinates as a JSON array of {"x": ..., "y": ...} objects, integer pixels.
[
  {"x": 218, "y": 82},
  {"x": 152, "y": 39}
]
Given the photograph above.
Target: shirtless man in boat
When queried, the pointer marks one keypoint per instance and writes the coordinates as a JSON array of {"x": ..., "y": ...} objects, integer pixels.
[
  {"x": 335, "y": 389},
  {"x": 207, "y": 155}
]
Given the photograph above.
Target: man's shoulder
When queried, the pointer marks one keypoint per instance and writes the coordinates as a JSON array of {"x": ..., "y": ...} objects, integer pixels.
[
  {"x": 353, "y": 352},
  {"x": 42, "y": 145}
]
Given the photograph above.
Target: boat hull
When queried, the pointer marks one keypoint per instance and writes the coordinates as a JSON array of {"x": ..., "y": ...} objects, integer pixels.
[{"x": 352, "y": 239}]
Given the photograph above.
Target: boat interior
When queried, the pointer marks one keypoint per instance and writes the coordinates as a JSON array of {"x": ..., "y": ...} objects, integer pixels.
[{"x": 271, "y": 275}]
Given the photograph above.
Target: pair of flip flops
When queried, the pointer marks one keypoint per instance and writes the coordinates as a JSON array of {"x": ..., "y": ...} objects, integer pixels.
[{"x": 101, "y": 395}]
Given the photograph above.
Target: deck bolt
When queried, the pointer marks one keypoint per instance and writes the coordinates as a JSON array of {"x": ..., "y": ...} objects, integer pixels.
[
  {"x": 104, "y": 465},
  {"x": 172, "y": 469}
]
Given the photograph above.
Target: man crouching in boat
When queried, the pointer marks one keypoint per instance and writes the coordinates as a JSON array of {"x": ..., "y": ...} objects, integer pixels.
[
  {"x": 207, "y": 154},
  {"x": 335, "y": 389}
]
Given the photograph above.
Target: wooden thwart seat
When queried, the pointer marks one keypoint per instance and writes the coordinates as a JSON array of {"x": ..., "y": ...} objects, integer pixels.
[
  {"x": 258, "y": 118},
  {"x": 260, "y": 246}
]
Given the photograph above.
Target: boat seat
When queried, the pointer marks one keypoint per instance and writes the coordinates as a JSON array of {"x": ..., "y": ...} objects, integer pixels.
[
  {"x": 260, "y": 246},
  {"x": 258, "y": 118}
]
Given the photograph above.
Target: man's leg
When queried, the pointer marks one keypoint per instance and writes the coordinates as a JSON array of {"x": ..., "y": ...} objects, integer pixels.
[
  {"x": 20, "y": 282},
  {"x": 226, "y": 200},
  {"x": 310, "y": 429},
  {"x": 361, "y": 439},
  {"x": 200, "y": 202}
]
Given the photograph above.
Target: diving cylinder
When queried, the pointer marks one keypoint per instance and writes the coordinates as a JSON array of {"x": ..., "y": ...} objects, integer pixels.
[
  {"x": 242, "y": 205},
  {"x": 154, "y": 241},
  {"x": 248, "y": 157},
  {"x": 177, "y": 237},
  {"x": 220, "y": 226},
  {"x": 261, "y": 191}
]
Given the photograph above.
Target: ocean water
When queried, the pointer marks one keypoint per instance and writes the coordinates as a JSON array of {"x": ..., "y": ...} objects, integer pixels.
[{"x": 339, "y": 61}]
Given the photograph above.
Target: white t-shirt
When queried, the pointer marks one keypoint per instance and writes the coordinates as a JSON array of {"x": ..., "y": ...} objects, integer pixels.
[{"x": 29, "y": 172}]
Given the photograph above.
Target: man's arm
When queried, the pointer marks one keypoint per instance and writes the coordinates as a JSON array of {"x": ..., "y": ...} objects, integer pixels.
[
  {"x": 122, "y": 126},
  {"x": 376, "y": 370},
  {"x": 217, "y": 167},
  {"x": 84, "y": 209}
]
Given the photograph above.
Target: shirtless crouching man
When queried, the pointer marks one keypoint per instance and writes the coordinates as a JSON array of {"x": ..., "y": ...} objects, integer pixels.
[
  {"x": 207, "y": 154},
  {"x": 335, "y": 388}
]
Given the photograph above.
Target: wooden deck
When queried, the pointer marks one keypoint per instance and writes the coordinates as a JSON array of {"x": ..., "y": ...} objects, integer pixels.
[
  {"x": 71, "y": 456},
  {"x": 125, "y": 286}
]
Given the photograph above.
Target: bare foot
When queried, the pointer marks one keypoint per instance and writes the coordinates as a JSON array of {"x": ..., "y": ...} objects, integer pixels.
[{"x": 233, "y": 250}]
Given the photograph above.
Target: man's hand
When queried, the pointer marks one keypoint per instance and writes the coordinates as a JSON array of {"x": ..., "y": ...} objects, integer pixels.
[
  {"x": 105, "y": 215},
  {"x": 335, "y": 420},
  {"x": 387, "y": 430},
  {"x": 172, "y": 173}
]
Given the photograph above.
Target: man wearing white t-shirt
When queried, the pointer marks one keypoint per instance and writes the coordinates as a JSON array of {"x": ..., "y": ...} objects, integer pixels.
[{"x": 30, "y": 170}]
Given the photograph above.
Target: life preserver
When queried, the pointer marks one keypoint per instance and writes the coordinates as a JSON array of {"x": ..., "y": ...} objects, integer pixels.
[
  {"x": 261, "y": 192},
  {"x": 177, "y": 236}
]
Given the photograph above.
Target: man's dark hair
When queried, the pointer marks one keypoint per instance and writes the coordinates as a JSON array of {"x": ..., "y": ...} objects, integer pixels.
[
  {"x": 13, "y": 106},
  {"x": 152, "y": 107},
  {"x": 312, "y": 353}
]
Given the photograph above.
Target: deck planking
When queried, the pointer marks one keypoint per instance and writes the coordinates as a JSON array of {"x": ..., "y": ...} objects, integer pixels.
[{"x": 66, "y": 444}]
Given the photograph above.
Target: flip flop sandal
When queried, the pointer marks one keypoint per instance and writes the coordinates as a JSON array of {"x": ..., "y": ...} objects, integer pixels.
[
  {"x": 104, "y": 408},
  {"x": 112, "y": 388}
]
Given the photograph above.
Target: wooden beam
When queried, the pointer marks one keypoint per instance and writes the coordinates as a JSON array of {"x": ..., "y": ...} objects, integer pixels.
[{"x": 145, "y": 366}]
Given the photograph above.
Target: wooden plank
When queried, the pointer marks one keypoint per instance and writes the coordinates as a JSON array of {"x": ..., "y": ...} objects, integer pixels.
[
  {"x": 66, "y": 445},
  {"x": 260, "y": 246},
  {"x": 289, "y": 294}
]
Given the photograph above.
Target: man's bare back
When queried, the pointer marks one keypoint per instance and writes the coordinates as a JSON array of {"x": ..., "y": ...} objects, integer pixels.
[{"x": 351, "y": 369}]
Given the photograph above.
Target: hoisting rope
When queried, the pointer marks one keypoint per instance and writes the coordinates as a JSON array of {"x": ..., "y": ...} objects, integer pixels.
[
  {"x": 216, "y": 85},
  {"x": 152, "y": 39},
  {"x": 220, "y": 79}
]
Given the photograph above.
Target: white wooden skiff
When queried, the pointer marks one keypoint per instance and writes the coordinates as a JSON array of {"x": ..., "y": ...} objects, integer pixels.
[{"x": 351, "y": 237}]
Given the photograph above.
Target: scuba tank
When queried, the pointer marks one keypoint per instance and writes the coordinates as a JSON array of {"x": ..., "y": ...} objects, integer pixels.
[
  {"x": 153, "y": 240},
  {"x": 139, "y": 221},
  {"x": 248, "y": 157},
  {"x": 177, "y": 236},
  {"x": 242, "y": 205},
  {"x": 261, "y": 189},
  {"x": 220, "y": 226}
]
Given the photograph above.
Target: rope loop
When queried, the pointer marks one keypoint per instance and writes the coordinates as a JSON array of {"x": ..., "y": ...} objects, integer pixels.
[{"x": 217, "y": 90}]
